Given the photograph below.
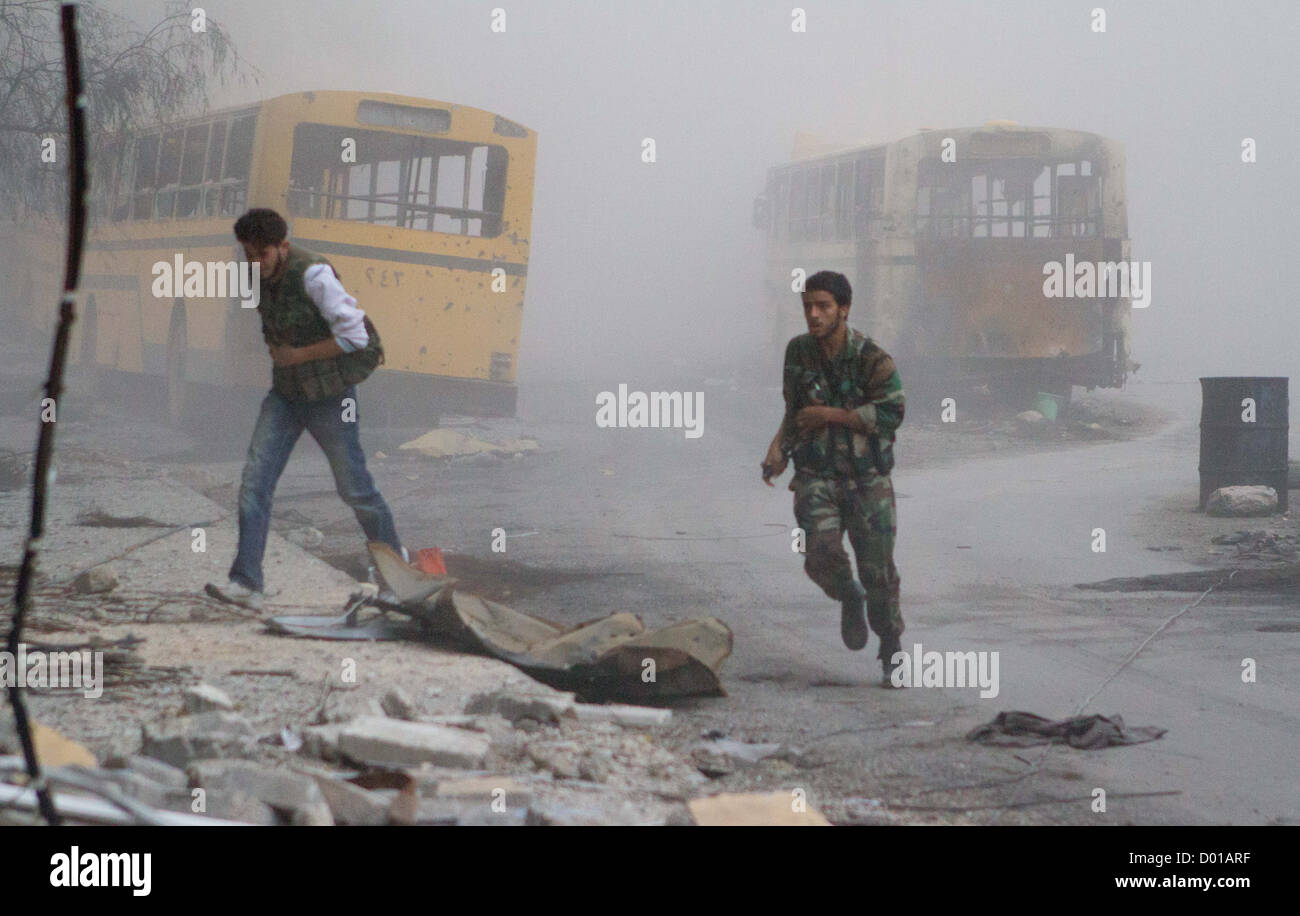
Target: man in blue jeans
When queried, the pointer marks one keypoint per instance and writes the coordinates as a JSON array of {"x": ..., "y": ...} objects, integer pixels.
[{"x": 321, "y": 345}]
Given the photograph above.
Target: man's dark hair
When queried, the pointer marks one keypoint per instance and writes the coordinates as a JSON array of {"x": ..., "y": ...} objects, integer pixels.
[
  {"x": 828, "y": 281},
  {"x": 261, "y": 227}
]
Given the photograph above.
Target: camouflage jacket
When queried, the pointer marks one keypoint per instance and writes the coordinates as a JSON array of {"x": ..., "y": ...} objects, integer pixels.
[
  {"x": 861, "y": 377},
  {"x": 290, "y": 318}
]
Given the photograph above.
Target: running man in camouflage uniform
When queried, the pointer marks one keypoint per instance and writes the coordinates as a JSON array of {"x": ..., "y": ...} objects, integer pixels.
[{"x": 843, "y": 402}]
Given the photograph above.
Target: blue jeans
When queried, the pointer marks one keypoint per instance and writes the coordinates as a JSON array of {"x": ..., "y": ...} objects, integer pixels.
[{"x": 279, "y": 425}]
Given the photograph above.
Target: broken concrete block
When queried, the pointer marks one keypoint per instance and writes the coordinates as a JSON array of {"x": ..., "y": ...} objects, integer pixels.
[
  {"x": 351, "y": 804},
  {"x": 94, "y": 581},
  {"x": 1242, "y": 502},
  {"x": 322, "y": 741},
  {"x": 142, "y": 789},
  {"x": 238, "y": 806},
  {"x": 293, "y": 795},
  {"x": 162, "y": 773},
  {"x": 208, "y": 734},
  {"x": 513, "y": 706},
  {"x": 206, "y": 698},
  {"x": 397, "y": 705},
  {"x": 492, "y": 791},
  {"x": 562, "y": 759},
  {"x": 594, "y": 766},
  {"x": 620, "y": 714},
  {"x": 553, "y": 813},
  {"x": 385, "y": 741}
]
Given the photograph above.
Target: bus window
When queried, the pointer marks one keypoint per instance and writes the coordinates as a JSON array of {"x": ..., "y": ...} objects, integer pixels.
[
  {"x": 1078, "y": 205},
  {"x": 947, "y": 194},
  {"x": 195, "y": 150},
  {"x": 1042, "y": 203},
  {"x": 812, "y": 207},
  {"x": 398, "y": 180},
  {"x": 844, "y": 200},
  {"x": 146, "y": 170},
  {"x": 979, "y": 196},
  {"x": 169, "y": 173},
  {"x": 780, "y": 198},
  {"x": 212, "y": 172},
  {"x": 234, "y": 175}
]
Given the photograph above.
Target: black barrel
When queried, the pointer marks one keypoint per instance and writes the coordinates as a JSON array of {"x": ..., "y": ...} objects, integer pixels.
[{"x": 1235, "y": 451}]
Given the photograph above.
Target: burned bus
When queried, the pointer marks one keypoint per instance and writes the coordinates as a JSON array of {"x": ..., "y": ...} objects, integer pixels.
[{"x": 949, "y": 238}]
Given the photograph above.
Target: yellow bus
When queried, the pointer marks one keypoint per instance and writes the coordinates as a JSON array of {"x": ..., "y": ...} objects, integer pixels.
[
  {"x": 423, "y": 207},
  {"x": 944, "y": 236}
]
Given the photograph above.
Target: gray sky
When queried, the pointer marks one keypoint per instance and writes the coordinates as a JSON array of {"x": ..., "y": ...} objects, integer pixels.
[{"x": 654, "y": 270}]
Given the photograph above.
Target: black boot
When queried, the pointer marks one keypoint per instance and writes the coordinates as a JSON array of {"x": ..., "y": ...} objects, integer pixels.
[
  {"x": 888, "y": 646},
  {"x": 853, "y": 625}
]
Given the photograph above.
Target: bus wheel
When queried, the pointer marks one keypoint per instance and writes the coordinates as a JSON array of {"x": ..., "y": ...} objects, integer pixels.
[{"x": 177, "y": 387}]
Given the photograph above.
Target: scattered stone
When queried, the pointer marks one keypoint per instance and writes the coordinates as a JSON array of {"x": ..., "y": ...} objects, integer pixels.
[
  {"x": 620, "y": 714},
  {"x": 397, "y": 705},
  {"x": 206, "y": 698},
  {"x": 322, "y": 741},
  {"x": 293, "y": 795},
  {"x": 594, "y": 766},
  {"x": 468, "y": 812},
  {"x": 239, "y": 806},
  {"x": 144, "y": 790},
  {"x": 208, "y": 734},
  {"x": 94, "y": 581},
  {"x": 162, "y": 773},
  {"x": 1242, "y": 502},
  {"x": 513, "y": 706},
  {"x": 487, "y": 789},
  {"x": 383, "y": 741},
  {"x": 560, "y": 758},
  {"x": 555, "y": 813},
  {"x": 352, "y": 805}
]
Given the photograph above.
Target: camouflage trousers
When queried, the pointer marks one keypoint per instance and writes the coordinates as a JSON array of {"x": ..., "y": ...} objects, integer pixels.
[{"x": 826, "y": 508}]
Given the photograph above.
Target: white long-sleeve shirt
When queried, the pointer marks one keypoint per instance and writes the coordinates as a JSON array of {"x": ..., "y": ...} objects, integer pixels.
[{"x": 337, "y": 307}]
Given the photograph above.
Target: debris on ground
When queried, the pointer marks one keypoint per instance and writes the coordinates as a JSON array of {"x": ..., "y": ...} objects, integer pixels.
[
  {"x": 451, "y": 443},
  {"x": 772, "y": 809},
  {"x": 612, "y": 657},
  {"x": 96, "y": 581},
  {"x": 1261, "y": 545},
  {"x": 1241, "y": 502},
  {"x": 1025, "y": 729}
]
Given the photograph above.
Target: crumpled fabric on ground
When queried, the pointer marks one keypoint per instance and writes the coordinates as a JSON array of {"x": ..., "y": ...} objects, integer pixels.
[{"x": 1024, "y": 729}]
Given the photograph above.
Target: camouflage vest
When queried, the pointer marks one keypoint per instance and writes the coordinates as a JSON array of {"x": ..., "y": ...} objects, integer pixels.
[
  {"x": 835, "y": 450},
  {"x": 291, "y": 319}
]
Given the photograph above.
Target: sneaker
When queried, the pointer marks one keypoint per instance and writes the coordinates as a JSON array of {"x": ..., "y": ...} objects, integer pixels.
[
  {"x": 235, "y": 593},
  {"x": 853, "y": 626}
]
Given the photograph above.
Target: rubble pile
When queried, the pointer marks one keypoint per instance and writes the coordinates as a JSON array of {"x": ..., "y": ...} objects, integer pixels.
[{"x": 512, "y": 758}]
